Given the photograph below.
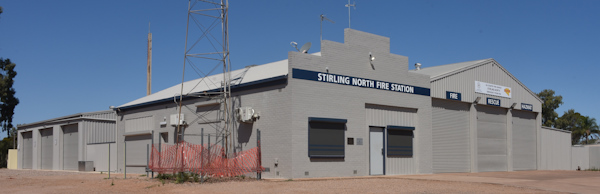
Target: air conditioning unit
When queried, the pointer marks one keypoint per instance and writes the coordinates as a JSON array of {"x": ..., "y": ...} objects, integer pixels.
[
  {"x": 246, "y": 115},
  {"x": 174, "y": 119}
]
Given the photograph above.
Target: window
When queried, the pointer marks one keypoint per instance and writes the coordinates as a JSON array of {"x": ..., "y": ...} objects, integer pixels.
[
  {"x": 400, "y": 141},
  {"x": 326, "y": 137}
]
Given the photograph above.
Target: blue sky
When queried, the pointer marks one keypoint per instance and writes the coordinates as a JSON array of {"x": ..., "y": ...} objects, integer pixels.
[{"x": 83, "y": 56}]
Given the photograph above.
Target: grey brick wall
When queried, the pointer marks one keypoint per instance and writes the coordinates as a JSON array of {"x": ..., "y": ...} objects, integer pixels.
[
  {"x": 272, "y": 103},
  {"x": 319, "y": 99},
  {"x": 284, "y": 110}
]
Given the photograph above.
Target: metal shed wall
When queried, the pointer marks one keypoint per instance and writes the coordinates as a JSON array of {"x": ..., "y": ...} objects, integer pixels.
[
  {"x": 451, "y": 144},
  {"x": 27, "y": 150},
  {"x": 47, "y": 149},
  {"x": 100, "y": 155},
  {"x": 524, "y": 140},
  {"x": 101, "y": 115},
  {"x": 580, "y": 157},
  {"x": 556, "y": 149},
  {"x": 594, "y": 157},
  {"x": 490, "y": 72},
  {"x": 70, "y": 147},
  {"x": 99, "y": 131},
  {"x": 491, "y": 139}
]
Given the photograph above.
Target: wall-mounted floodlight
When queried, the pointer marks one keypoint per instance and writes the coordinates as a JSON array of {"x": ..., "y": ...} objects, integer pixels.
[
  {"x": 477, "y": 100},
  {"x": 418, "y": 66}
]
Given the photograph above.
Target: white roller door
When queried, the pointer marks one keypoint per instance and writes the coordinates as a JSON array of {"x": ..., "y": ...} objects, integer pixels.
[
  {"x": 524, "y": 139},
  {"x": 451, "y": 150},
  {"x": 491, "y": 139},
  {"x": 136, "y": 152},
  {"x": 27, "y": 150},
  {"x": 70, "y": 147},
  {"x": 47, "y": 148}
]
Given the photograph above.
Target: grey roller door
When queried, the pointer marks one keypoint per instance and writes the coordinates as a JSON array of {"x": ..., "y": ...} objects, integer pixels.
[
  {"x": 136, "y": 150},
  {"x": 491, "y": 139},
  {"x": 524, "y": 140},
  {"x": 47, "y": 148},
  {"x": 451, "y": 150},
  {"x": 70, "y": 147},
  {"x": 27, "y": 150}
]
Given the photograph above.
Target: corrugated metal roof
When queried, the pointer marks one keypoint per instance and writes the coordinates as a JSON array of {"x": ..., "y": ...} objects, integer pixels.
[
  {"x": 238, "y": 77},
  {"x": 442, "y": 71},
  {"x": 449, "y": 68},
  {"x": 63, "y": 118}
]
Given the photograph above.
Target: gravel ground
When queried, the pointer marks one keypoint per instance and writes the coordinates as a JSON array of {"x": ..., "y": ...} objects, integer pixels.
[{"x": 36, "y": 181}]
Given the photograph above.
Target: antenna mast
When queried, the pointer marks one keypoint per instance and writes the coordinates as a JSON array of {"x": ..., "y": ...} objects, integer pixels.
[
  {"x": 207, "y": 50},
  {"x": 149, "y": 67},
  {"x": 324, "y": 18},
  {"x": 348, "y": 6}
]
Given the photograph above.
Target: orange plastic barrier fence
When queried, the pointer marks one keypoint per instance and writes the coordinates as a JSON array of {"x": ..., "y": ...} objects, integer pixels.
[{"x": 187, "y": 157}]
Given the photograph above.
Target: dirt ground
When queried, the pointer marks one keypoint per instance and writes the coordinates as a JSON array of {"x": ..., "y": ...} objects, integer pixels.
[{"x": 37, "y": 181}]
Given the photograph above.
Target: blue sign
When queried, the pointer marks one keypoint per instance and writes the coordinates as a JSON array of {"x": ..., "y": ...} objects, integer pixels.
[
  {"x": 453, "y": 95},
  {"x": 493, "y": 101},
  {"x": 528, "y": 107},
  {"x": 358, "y": 82}
]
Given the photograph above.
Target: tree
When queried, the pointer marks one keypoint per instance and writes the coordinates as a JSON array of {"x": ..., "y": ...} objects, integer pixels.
[
  {"x": 582, "y": 127},
  {"x": 590, "y": 127},
  {"x": 549, "y": 104},
  {"x": 571, "y": 121},
  {"x": 8, "y": 101}
]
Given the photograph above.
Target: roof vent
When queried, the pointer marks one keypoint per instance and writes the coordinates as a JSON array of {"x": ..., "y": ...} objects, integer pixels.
[{"x": 418, "y": 66}]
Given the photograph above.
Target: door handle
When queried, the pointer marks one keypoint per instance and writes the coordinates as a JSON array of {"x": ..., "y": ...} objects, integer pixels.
[{"x": 382, "y": 151}]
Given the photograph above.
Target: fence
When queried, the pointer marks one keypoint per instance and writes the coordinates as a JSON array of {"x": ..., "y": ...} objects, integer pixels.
[{"x": 203, "y": 159}]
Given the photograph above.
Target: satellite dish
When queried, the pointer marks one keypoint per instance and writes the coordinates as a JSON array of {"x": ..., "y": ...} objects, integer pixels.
[{"x": 305, "y": 47}]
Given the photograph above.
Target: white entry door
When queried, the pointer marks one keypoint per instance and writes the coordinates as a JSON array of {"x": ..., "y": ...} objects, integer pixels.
[{"x": 376, "y": 150}]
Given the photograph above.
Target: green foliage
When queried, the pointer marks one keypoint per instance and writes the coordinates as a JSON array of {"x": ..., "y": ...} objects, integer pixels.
[
  {"x": 182, "y": 177},
  {"x": 550, "y": 103},
  {"x": 8, "y": 101},
  {"x": 590, "y": 127},
  {"x": 196, "y": 177},
  {"x": 162, "y": 176},
  {"x": 582, "y": 127},
  {"x": 570, "y": 121}
]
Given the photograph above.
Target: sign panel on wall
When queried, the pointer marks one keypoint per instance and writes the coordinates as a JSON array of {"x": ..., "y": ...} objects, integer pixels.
[
  {"x": 525, "y": 106},
  {"x": 493, "y": 101},
  {"x": 493, "y": 89},
  {"x": 453, "y": 95},
  {"x": 358, "y": 82}
]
